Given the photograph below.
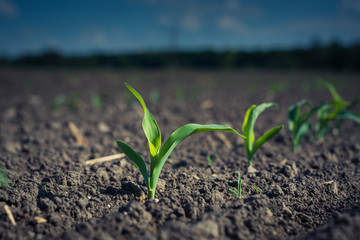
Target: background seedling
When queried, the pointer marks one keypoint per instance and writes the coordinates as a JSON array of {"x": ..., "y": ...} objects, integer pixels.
[
  {"x": 335, "y": 111},
  {"x": 210, "y": 158},
  {"x": 159, "y": 154},
  {"x": 298, "y": 125},
  {"x": 238, "y": 193},
  {"x": 248, "y": 130},
  {"x": 57, "y": 102},
  {"x": 258, "y": 190},
  {"x": 72, "y": 102},
  {"x": 96, "y": 101}
]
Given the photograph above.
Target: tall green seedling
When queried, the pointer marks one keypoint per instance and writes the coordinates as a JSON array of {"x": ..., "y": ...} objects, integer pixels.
[
  {"x": 159, "y": 154},
  {"x": 251, "y": 146}
]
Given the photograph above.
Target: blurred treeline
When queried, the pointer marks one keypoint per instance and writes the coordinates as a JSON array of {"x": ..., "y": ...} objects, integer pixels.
[{"x": 334, "y": 56}]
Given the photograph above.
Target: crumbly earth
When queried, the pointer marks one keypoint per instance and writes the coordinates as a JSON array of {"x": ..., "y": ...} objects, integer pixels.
[{"x": 53, "y": 194}]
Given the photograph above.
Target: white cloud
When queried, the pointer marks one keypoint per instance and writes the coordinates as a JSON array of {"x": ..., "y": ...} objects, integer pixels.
[{"x": 8, "y": 9}]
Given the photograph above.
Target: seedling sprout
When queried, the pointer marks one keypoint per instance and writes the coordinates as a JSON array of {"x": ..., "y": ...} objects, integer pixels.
[
  {"x": 210, "y": 158},
  {"x": 248, "y": 129},
  {"x": 260, "y": 191},
  {"x": 159, "y": 154},
  {"x": 298, "y": 125},
  {"x": 238, "y": 192},
  {"x": 337, "y": 110}
]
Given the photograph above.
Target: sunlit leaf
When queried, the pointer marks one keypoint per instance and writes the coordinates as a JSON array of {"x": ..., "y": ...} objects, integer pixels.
[
  {"x": 150, "y": 127},
  {"x": 135, "y": 158}
]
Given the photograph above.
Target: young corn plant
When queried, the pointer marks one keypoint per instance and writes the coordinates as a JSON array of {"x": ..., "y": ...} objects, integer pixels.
[
  {"x": 335, "y": 111},
  {"x": 159, "y": 154},
  {"x": 96, "y": 101},
  {"x": 250, "y": 144},
  {"x": 298, "y": 125},
  {"x": 238, "y": 192},
  {"x": 210, "y": 158},
  {"x": 260, "y": 191}
]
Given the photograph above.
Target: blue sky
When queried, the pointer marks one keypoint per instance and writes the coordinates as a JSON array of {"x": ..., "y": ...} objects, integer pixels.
[{"x": 87, "y": 26}]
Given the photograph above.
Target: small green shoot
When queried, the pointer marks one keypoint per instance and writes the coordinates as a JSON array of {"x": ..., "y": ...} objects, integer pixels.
[
  {"x": 210, "y": 158},
  {"x": 72, "y": 102},
  {"x": 57, "y": 102},
  {"x": 248, "y": 129},
  {"x": 238, "y": 193},
  {"x": 258, "y": 190},
  {"x": 298, "y": 125},
  {"x": 96, "y": 101},
  {"x": 159, "y": 154},
  {"x": 335, "y": 111}
]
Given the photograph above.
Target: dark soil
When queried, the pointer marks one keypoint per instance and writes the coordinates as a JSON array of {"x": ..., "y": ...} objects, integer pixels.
[{"x": 311, "y": 194}]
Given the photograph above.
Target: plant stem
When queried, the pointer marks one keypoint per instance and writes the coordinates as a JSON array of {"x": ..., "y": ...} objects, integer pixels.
[{"x": 151, "y": 193}]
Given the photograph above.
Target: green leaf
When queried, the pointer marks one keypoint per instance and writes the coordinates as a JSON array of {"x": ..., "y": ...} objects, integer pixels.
[
  {"x": 234, "y": 192},
  {"x": 302, "y": 131},
  {"x": 297, "y": 122},
  {"x": 295, "y": 114},
  {"x": 350, "y": 116},
  {"x": 176, "y": 138},
  {"x": 246, "y": 118},
  {"x": 253, "y": 113},
  {"x": 353, "y": 103},
  {"x": 248, "y": 127},
  {"x": 239, "y": 184},
  {"x": 150, "y": 127},
  {"x": 266, "y": 137},
  {"x": 332, "y": 90},
  {"x": 307, "y": 115},
  {"x": 136, "y": 159},
  {"x": 186, "y": 131},
  {"x": 264, "y": 188},
  {"x": 4, "y": 180},
  {"x": 247, "y": 130}
]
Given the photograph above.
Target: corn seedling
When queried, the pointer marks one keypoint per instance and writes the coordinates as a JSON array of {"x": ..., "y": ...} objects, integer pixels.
[
  {"x": 210, "y": 158},
  {"x": 72, "y": 102},
  {"x": 335, "y": 111},
  {"x": 159, "y": 154},
  {"x": 260, "y": 191},
  {"x": 298, "y": 124},
  {"x": 238, "y": 192},
  {"x": 57, "y": 102},
  {"x": 96, "y": 101},
  {"x": 248, "y": 130}
]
